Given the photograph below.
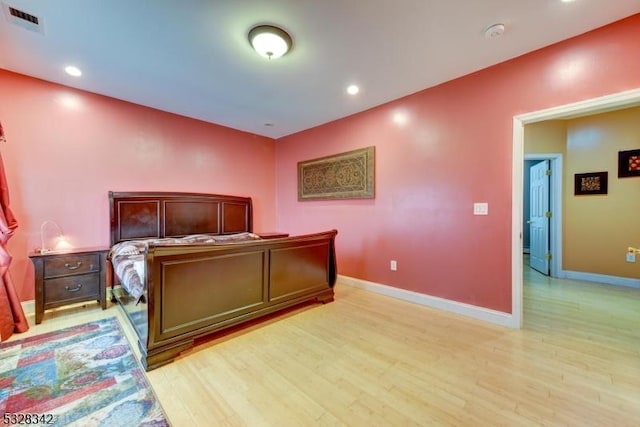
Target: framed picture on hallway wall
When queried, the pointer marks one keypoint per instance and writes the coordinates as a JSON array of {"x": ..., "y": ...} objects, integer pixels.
[
  {"x": 591, "y": 183},
  {"x": 628, "y": 163}
]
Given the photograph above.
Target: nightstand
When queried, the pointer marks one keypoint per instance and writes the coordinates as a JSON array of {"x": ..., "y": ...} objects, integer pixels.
[{"x": 69, "y": 277}]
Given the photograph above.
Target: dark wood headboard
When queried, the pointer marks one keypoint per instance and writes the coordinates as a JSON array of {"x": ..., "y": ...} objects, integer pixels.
[{"x": 144, "y": 215}]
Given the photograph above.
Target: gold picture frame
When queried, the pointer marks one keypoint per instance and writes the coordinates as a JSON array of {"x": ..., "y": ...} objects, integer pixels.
[{"x": 349, "y": 175}]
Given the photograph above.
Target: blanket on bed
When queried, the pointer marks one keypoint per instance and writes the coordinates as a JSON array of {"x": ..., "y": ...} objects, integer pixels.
[{"x": 129, "y": 263}]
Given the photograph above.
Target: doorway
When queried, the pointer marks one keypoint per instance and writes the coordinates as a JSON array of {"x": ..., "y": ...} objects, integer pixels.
[{"x": 606, "y": 103}]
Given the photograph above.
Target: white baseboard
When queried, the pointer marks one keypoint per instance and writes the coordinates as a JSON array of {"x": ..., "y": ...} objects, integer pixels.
[
  {"x": 475, "y": 312},
  {"x": 601, "y": 278}
]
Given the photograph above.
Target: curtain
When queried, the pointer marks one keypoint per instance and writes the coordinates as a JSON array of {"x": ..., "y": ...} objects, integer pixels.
[{"x": 12, "y": 318}]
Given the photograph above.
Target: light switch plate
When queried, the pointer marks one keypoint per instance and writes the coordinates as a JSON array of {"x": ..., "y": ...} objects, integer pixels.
[{"x": 481, "y": 208}]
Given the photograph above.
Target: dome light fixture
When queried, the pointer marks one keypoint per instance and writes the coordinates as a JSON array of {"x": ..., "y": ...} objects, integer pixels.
[{"x": 270, "y": 41}]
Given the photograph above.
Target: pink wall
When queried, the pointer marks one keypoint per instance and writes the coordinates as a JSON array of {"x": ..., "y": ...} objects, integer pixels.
[
  {"x": 67, "y": 148},
  {"x": 455, "y": 149}
]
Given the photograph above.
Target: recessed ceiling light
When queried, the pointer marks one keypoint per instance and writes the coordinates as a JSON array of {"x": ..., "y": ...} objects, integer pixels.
[
  {"x": 568, "y": 1},
  {"x": 73, "y": 71},
  {"x": 353, "y": 89}
]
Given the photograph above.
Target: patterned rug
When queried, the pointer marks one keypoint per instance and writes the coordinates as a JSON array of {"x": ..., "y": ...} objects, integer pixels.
[{"x": 85, "y": 375}]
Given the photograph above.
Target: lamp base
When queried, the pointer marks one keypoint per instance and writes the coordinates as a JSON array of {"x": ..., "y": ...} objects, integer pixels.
[{"x": 43, "y": 251}]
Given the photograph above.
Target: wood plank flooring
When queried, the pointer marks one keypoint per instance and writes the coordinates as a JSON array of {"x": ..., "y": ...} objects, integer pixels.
[{"x": 370, "y": 360}]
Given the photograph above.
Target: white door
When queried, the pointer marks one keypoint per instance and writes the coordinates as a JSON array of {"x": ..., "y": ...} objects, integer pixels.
[{"x": 539, "y": 217}]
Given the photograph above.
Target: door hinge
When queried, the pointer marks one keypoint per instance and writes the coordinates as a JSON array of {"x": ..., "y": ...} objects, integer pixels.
[
  {"x": 548, "y": 214},
  {"x": 548, "y": 256},
  {"x": 548, "y": 172}
]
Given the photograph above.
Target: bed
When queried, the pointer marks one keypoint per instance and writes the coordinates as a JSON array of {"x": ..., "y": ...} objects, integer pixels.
[{"x": 194, "y": 288}]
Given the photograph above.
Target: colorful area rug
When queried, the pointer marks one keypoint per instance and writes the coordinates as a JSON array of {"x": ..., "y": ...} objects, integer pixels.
[{"x": 85, "y": 375}]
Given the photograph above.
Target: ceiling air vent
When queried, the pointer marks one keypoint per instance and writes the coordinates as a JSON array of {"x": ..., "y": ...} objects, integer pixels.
[
  {"x": 23, "y": 15},
  {"x": 23, "y": 19}
]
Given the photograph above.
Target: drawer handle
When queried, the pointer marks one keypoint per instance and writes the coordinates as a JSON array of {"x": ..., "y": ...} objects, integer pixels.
[
  {"x": 73, "y": 267},
  {"x": 75, "y": 289}
]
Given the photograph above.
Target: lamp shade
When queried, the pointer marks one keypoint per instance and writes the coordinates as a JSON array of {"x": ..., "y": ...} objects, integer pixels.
[
  {"x": 61, "y": 242},
  {"x": 269, "y": 41}
]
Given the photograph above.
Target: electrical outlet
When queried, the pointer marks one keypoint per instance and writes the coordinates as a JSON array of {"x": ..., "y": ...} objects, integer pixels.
[
  {"x": 393, "y": 265},
  {"x": 481, "y": 208},
  {"x": 631, "y": 257}
]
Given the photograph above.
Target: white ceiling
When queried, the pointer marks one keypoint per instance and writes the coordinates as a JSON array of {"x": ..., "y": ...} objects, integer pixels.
[{"x": 192, "y": 57}]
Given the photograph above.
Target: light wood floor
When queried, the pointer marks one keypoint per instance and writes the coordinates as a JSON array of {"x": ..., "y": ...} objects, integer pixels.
[{"x": 369, "y": 360}]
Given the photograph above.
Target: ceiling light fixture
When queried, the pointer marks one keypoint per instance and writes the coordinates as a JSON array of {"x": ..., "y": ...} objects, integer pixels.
[
  {"x": 73, "y": 71},
  {"x": 269, "y": 41},
  {"x": 353, "y": 90}
]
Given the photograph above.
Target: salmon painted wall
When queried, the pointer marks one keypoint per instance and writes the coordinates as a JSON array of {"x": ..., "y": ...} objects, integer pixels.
[
  {"x": 67, "y": 148},
  {"x": 454, "y": 149}
]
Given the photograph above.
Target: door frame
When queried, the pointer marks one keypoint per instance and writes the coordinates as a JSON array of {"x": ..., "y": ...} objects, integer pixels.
[
  {"x": 601, "y": 104},
  {"x": 555, "y": 206}
]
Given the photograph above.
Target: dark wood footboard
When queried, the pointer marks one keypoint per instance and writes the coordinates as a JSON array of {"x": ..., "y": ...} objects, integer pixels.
[{"x": 196, "y": 291}]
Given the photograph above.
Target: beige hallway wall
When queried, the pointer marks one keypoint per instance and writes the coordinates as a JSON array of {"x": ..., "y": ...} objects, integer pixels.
[{"x": 597, "y": 229}]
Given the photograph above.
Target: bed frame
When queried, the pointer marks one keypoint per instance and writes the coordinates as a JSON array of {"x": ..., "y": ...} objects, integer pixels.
[{"x": 194, "y": 291}]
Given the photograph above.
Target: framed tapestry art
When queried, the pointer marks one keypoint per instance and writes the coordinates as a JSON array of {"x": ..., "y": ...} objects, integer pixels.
[
  {"x": 591, "y": 183},
  {"x": 628, "y": 163},
  {"x": 347, "y": 175}
]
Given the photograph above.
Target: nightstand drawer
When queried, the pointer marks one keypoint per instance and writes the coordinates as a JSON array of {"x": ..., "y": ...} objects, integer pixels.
[
  {"x": 70, "y": 288},
  {"x": 64, "y": 265}
]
